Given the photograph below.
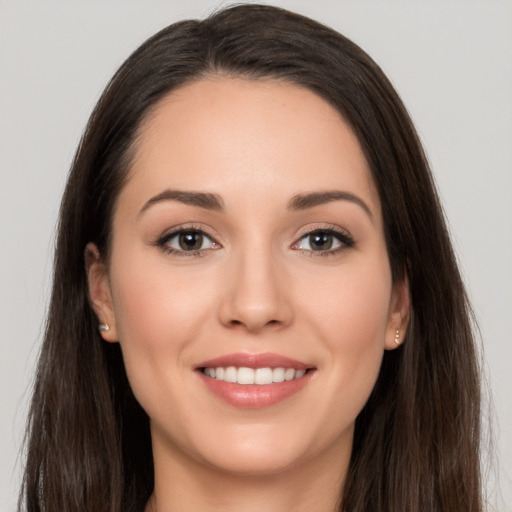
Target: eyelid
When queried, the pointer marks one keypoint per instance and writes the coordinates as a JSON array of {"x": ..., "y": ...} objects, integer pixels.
[
  {"x": 171, "y": 233},
  {"x": 345, "y": 239}
]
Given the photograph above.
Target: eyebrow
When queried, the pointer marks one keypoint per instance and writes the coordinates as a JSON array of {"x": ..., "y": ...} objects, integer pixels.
[
  {"x": 211, "y": 201},
  {"x": 309, "y": 200},
  {"x": 204, "y": 200}
]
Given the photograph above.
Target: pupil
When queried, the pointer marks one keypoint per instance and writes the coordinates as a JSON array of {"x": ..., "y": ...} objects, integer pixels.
[
  {"x": 321, "y": 241},
  {"x": 191, "y": 241}
]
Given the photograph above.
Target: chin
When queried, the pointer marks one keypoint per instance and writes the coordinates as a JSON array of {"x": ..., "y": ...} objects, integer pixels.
[
  {"x": 266, "y": 450},
  {"x": 255, "y": 461}
]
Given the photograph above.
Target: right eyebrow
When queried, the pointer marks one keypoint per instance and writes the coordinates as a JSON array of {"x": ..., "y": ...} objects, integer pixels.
[{"x": 204, "y": 200}]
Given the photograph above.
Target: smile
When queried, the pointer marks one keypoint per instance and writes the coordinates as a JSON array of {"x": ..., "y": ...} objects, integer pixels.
[
  {"x": 253, "y": 381},
  {"x": 261, "y": 376}
]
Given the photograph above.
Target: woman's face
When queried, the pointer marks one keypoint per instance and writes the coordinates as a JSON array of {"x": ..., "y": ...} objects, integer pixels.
[{"x": 248, "y": 246}]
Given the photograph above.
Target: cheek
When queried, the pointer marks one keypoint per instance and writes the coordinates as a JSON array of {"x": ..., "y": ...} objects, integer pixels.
[
  {"x": 350, "y": 314},
  {"x": 153, "y": 301},
  {"x": 159, "y": 313},
  {"x": 351, "y": 306}
]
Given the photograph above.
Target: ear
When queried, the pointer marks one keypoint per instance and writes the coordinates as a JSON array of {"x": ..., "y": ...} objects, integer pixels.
[
  {"x": 100, "y": 294},
  {"x": 399, "y": 314}
]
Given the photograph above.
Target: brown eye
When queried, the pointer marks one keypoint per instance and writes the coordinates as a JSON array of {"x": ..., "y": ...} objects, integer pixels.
[
  {"x": 321, "y": 241},
  {"x": 190, "y": 241},
  {"x": 324, "y": 241},
  {"x": 187, "y": 241}
]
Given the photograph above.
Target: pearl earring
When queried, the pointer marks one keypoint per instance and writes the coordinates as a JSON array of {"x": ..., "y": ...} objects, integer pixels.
[
  {"x": 104, "y": 328},
  {"x": 397, "y": 337}
]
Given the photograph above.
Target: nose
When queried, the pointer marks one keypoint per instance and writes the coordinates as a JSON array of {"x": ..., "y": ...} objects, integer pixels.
[{"x": 257, "y": 293}]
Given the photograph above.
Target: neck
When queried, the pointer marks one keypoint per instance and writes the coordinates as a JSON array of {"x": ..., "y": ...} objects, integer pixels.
[{"x": 183, "y": 485}]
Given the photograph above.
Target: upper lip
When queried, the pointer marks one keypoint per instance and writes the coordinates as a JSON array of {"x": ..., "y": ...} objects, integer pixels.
[{"x": 264, "y": 360}]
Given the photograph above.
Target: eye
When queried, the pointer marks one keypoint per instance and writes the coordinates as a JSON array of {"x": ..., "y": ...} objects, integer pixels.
[
  {"x": 187, "y": 241},
  {"x": 326, "y": 241}
]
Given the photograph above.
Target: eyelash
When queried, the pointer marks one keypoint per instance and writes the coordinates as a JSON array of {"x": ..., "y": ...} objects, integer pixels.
[
  {"x": 164, "y": 240},
  {"x": 345, "y": 242}
]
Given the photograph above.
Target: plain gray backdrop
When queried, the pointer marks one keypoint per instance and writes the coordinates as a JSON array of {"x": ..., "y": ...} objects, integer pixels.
[{"x": 451, "y": 61}]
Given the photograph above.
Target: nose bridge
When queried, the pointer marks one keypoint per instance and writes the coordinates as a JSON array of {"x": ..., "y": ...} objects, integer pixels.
[{"x": 256, "y": 296}]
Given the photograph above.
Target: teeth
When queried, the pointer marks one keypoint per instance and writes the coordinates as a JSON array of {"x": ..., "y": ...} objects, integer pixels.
[
  {"x": 289, "y": 374},
  {"x": 245, "y": 376},
  {"x": 230, "y": 374},
  {"x": 262, "y": 376},
  {"x": 278, "y": 375}
]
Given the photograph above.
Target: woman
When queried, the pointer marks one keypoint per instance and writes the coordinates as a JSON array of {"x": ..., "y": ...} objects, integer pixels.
[{"x": 256, "y": 305}]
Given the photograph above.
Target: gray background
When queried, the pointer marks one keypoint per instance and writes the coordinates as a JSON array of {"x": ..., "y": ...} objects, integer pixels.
[{"x": 451, "y": 61}]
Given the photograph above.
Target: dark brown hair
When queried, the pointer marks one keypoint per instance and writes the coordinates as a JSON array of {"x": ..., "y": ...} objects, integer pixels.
[{"x": 416, "y": 445}]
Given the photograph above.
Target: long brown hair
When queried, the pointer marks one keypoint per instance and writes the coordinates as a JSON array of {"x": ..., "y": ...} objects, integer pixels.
[{"x": 416, "y": 445}]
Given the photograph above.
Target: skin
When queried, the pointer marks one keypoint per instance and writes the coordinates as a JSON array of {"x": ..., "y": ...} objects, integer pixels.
[{"x": 257, "y": 286}]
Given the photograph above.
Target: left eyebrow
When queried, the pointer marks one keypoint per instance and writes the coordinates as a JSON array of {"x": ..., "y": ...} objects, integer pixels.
[{"x": 311, "y": 199}]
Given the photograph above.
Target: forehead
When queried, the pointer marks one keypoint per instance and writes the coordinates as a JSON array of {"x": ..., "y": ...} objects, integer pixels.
[{"x": 252, "y": 137}]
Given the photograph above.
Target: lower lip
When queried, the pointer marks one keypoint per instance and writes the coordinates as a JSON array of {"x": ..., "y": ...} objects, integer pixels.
[{"x": 254, "y": 396}]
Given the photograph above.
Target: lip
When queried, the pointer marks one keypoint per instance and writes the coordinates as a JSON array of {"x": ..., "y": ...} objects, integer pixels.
[
  {"x": 264, "y": 360},
  {"x": 254, "y": 396}
]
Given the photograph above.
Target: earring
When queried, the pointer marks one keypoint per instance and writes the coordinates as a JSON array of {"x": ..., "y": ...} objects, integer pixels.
[
  {"x": 397, "y": 337},
  {"x": 104, "y": 328}
]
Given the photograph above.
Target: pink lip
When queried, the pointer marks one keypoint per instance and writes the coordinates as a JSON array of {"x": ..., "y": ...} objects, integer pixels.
[
  {"x": 265, "y": 360},
  {"x": 253, "y": 396}
]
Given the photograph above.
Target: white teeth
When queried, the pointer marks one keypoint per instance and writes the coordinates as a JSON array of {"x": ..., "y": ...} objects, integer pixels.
[
  {"x": 245, "y": 376},
  {"x": 262, "y": 376},
  {"x": 299, "y": 374},
  {"x": 230, "y": 374},
  {"x": 278, "y": 375},
  {"x": 289, "y": 373}
]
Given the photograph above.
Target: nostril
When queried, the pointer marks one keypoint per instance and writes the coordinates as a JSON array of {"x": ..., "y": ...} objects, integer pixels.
[{"x": 254, "y": 325}]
